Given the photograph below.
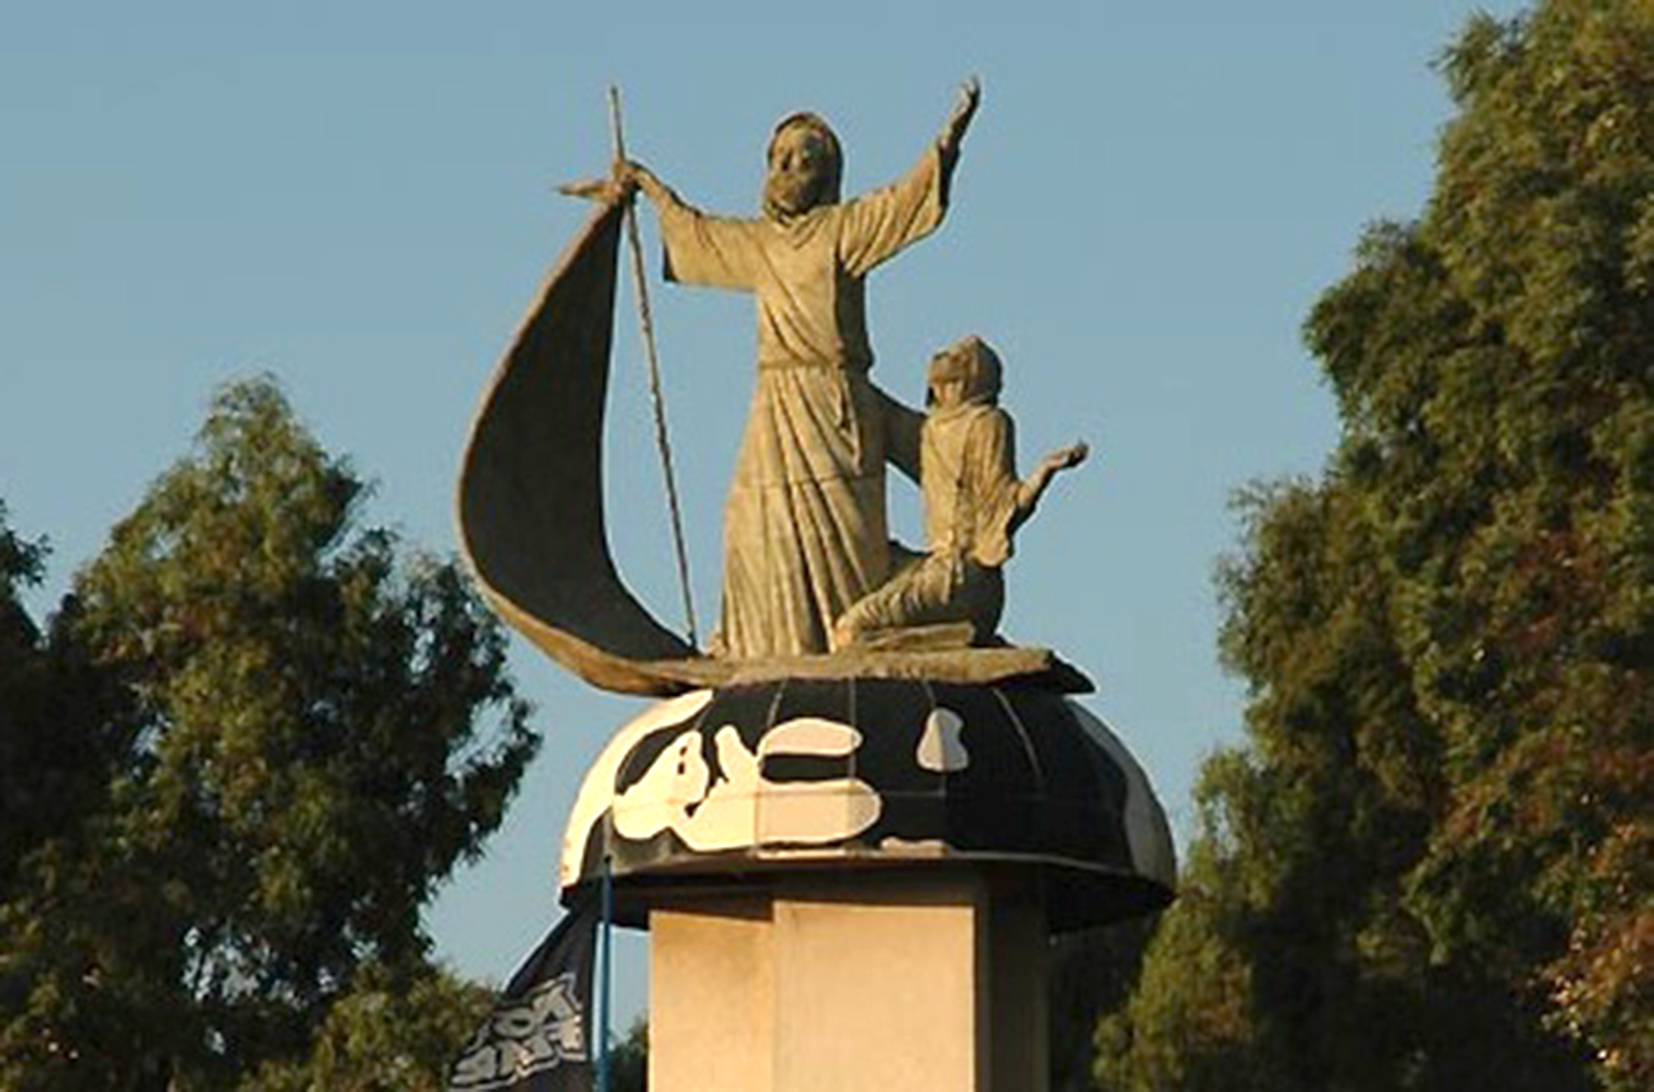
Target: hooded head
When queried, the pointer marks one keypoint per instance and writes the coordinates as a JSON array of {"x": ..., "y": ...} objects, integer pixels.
[
  {"x": 968, "y": 372},
  {"x": 805, "y": 166}
]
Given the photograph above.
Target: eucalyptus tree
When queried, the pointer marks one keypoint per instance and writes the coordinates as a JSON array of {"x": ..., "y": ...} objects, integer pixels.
[
  {"x": 312, "y": 725},
  {"x": 1430, "y": 865}
]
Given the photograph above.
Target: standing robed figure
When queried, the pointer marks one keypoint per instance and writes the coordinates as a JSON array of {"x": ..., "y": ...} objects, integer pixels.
[{"x": 805, "y": 532}]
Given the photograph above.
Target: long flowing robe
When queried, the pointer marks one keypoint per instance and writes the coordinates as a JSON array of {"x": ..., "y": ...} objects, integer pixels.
[{"x": 805, "y": 533}]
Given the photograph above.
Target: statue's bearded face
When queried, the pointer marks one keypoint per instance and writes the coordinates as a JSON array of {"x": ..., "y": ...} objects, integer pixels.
[{"x": 800, "y": 165}]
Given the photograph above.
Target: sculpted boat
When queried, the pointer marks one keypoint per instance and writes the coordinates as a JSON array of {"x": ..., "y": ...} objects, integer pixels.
[{"x": 531, "y": 488}]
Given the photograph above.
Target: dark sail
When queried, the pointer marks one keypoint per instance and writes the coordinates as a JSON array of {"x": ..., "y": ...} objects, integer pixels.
[{"x": 531, "y": 488}]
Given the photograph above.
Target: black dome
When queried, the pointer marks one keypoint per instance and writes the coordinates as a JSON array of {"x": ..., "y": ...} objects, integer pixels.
[{"x": 799, "y": 773}]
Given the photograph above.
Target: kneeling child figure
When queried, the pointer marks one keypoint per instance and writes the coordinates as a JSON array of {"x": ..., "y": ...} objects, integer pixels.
[{"x": 954, "y": 594}]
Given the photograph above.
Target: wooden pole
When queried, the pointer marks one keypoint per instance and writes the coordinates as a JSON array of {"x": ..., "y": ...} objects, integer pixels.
[{"x": 657, "y": 399}]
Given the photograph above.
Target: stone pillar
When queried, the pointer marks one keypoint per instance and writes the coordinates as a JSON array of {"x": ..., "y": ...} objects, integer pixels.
[{"x": 925, "y": 981}]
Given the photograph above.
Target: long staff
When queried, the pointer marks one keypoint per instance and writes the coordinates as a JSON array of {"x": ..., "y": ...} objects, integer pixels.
[
  {"x": 605, "y": 975},
  {"x": 656, "y": 398}
]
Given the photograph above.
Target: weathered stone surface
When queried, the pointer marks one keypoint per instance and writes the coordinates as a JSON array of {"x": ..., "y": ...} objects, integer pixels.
[
  {"x": 1034, "y": 666},
  {"x": 805, "y": 534},
  {"x": 954, "y": 593},
  {"x": 916, "y": 981}
]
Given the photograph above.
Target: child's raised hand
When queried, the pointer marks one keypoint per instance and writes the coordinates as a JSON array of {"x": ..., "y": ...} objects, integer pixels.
[{"x": 1065, "y": 457}]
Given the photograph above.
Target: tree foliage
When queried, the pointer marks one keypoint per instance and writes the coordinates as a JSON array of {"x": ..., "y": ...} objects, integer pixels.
[
  {"x": 298, "y": 730},
  {"x": 629, "y": 1059},
  {"x": 1430, "y": 866},
  {"x": 1090, "y": 971},
  {"x": 55, "y": 739},
  {"x": 393, "y": 1032}
]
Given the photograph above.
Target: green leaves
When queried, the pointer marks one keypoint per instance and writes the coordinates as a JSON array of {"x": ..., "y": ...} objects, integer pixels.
[
  {"x": 392, "y": 1032},
  {"x": 1440, "y": 824},
  {"x": 313, "y": 725}
]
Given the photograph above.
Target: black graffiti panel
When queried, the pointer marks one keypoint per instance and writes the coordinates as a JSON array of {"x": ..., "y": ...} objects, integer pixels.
[{"x": 979, "y": 770}]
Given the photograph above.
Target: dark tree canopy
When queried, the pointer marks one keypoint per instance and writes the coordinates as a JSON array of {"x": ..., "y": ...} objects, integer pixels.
[
  {"x": 56, "y": 735},
  {"x": 300, "y": 728},
  {"x": 393, "y": 1032},
  {"x": 25, "y": 811},
  {"x": 1430, "y": 865}
]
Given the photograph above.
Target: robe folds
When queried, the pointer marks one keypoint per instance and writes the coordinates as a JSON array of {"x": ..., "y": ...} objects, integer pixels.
[
  {"x": 805, "y": 531},
  {"x": 972, "y": 507}
]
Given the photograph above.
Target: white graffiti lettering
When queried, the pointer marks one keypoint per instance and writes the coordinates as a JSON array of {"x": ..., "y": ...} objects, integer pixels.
[{"x": 539, "y": 1032}]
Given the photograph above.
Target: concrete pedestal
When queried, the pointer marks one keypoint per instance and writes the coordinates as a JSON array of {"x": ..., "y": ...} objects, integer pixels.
[{"x": 925, "y": 981}]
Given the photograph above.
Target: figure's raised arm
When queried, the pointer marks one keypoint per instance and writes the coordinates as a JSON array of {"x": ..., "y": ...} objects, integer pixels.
[
  {"x": 1033, "y": 487},
  {"x": 959, "y": 120},
  {"x": 903, "y": 426},
  {"x": 635, "y": 176},
  {"x": 700, "y": 249},
  {"x": 881, "y": 223}
]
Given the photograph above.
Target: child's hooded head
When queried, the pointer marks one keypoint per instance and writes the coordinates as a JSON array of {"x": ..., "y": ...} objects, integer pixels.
[{"x": 968, "y": 372}]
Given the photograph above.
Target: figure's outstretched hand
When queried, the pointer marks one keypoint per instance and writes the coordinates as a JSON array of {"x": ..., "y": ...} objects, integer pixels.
[
  {"x": 625, "y": 179},
  {"x": 1031, "y": 489},
  {"x": 624, "y": 174},
  {"x": 964, "y": 108},
  {"x": 1071, "y": 456},
  {"x": 633, "y": 176},
  {"x": 592, "y": 189}
]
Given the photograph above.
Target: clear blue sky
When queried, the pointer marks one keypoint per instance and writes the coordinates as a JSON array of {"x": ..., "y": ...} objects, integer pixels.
[{"x": 358, "y": 197}]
